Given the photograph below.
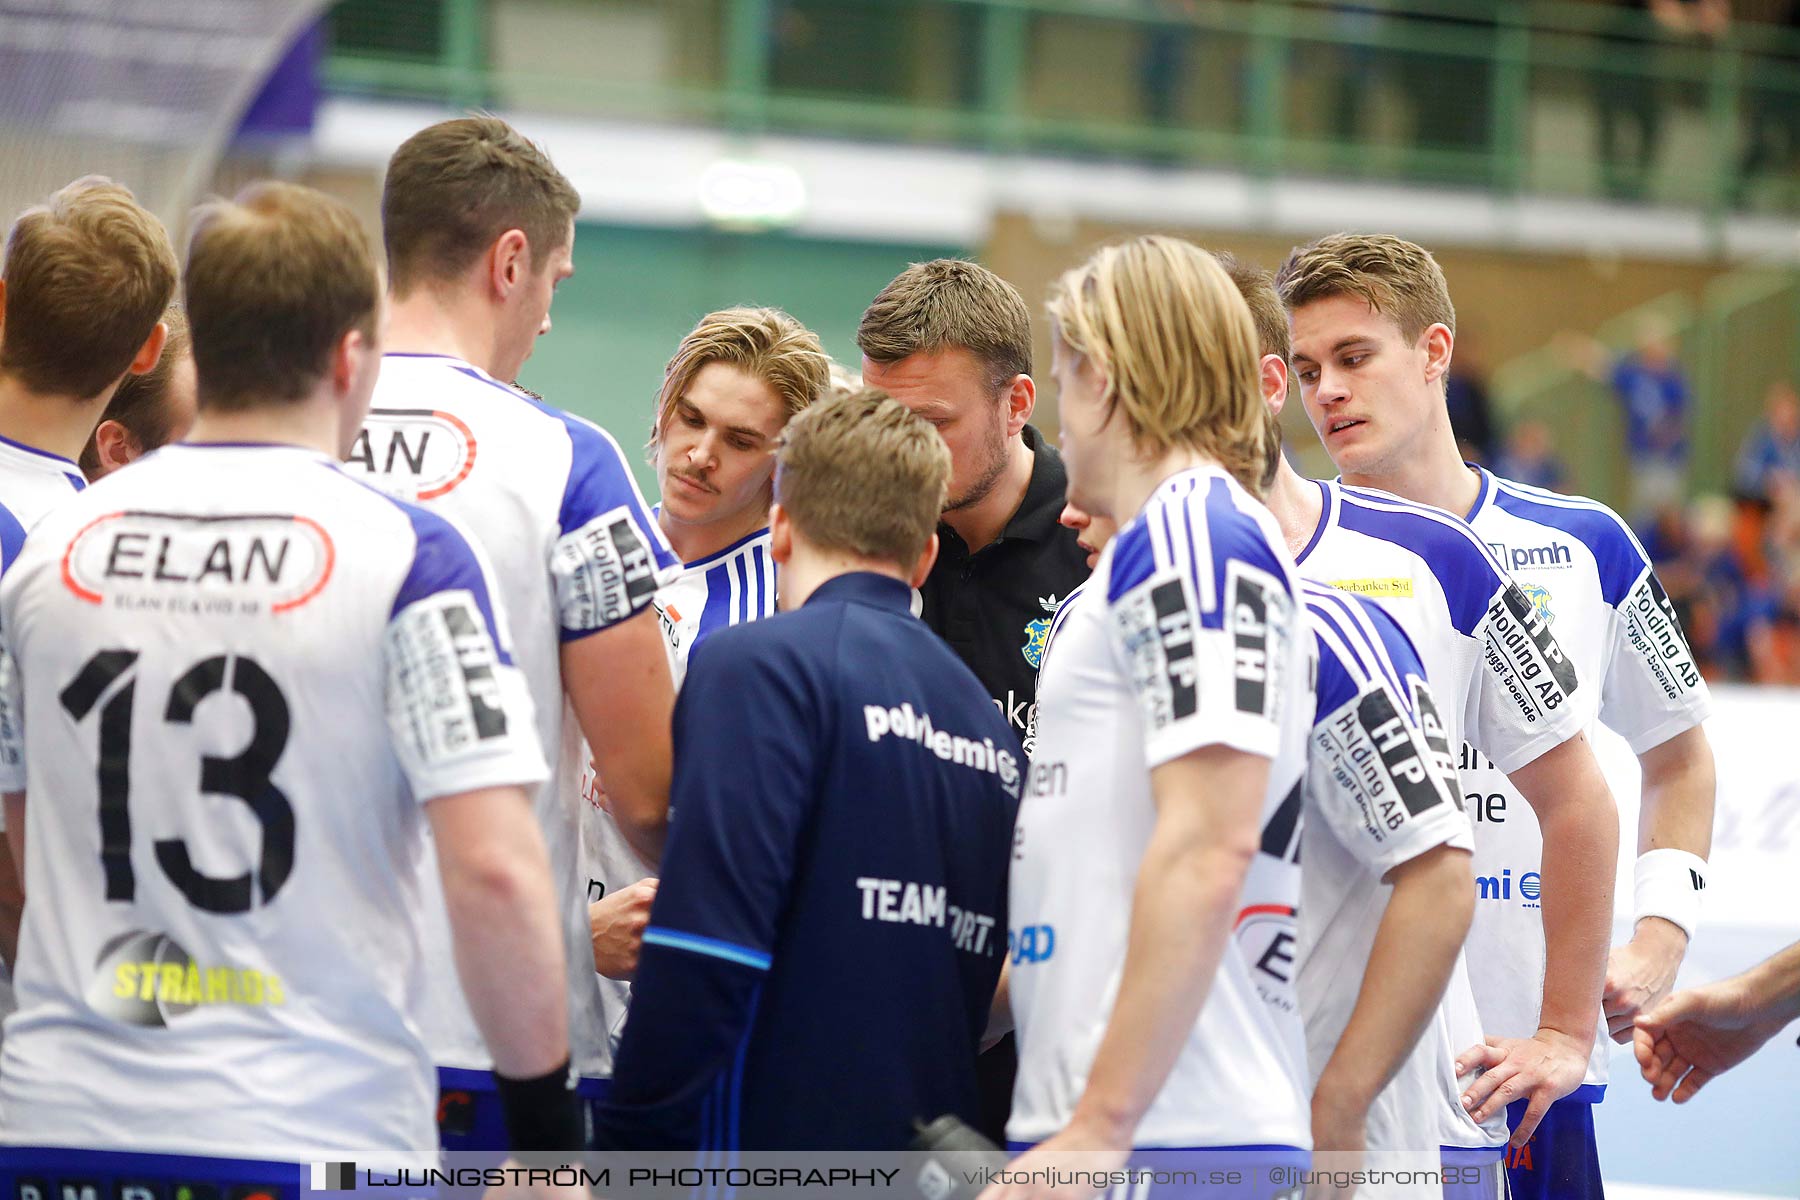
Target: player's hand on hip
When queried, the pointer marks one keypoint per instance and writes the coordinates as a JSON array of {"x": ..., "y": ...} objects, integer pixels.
[
  {"x": 1640, "y": 973},
  {"x": 1076, "y": 1148},
  {"x": 1543, "y": 1068},
  {"x": 616, "y": 925},
  {"x": 1694, "y": 1035}
]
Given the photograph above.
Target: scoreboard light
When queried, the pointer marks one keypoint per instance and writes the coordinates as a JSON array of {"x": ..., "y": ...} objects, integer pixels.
[{"x": 750, "y": 194}]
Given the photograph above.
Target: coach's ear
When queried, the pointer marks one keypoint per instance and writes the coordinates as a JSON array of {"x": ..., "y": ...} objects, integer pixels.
[
  {"x": 927, "y": 560},
  {"x": 509, "y": 262},
  {"x": 1020, "y": 399}
]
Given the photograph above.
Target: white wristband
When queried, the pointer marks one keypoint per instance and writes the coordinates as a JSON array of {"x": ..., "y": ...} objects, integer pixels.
[{"x": 1668, "y": 885}]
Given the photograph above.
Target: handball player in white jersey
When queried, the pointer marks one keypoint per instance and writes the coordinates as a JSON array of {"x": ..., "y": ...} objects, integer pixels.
[
  {"x": 1374, "y": 330},
  {"x": 479, "y": 229},
  {"x": 1385, "y": 899},
  {"x": 239, "y": 685},
  {"x": 87, "y": 276},
  {"x": 1174, "y": 726},
  {"x": 726, "y": 395}
]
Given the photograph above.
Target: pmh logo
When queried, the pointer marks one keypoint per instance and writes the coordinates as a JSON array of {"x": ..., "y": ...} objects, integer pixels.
[{"x": 1502, "y": 887}]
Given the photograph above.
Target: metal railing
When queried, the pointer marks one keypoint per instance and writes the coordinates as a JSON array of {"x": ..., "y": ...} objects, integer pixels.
[
  {"x": 1731, "y": 345},
  {"x": 1510, "y": 96}
]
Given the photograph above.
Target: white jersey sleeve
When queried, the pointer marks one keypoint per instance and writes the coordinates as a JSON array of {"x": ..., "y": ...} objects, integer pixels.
[
  {"x": 1381, "y": 775},
  {"x": 1519, "y": 704},
  {"x": 1653, "y": 689},
  {"x": 458, "y": 709},
  {"x": 610, "y": 557},
  {"x": 1203, "y": 628}
]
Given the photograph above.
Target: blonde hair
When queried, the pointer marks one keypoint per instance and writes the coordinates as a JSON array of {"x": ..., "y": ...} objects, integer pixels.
[
  {"x": 764, "y": 343},
  {"x": 88, "y": 274},
  {"x": 950, "y": 304},
  {"x": 860, "y": 473},
  {"x": 1175, "y": 342},
  {"x": 274, "y": 280},
  {"x": 1397, "y": 278}
]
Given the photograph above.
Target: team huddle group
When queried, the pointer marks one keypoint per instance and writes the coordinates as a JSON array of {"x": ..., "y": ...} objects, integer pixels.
[{"x": 372, "y": 750}]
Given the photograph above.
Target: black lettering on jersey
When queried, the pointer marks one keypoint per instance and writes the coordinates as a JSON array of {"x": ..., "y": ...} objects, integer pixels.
[
  {"x": 1666, "y": 637},
  {"x": 1562, "y": 670},
  {"x": 1437, "y": 737},
  {"x": 1249, "y": 611},
  {"x": 1400, "y": 752},
  {"x": 1281, "y": 836},
  {"x": 475, "y": 655},
  {"x": 1175, "y": 631},
  {"x": 634, "y": 561},
  {"x": 388, "y": 444}
]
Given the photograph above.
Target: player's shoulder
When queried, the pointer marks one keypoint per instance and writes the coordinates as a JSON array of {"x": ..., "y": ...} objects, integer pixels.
[
  {"x": 1619, "y": 558},
  {"x": 1424, "y": 530},
  {"x": 454, "y": 389},
  {"x": 753, "y": 545},
  {"x": 1197, "y": 517}
]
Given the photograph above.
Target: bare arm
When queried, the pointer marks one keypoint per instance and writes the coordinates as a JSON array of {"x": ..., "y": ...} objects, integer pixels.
[
  {"x": 12, "y": 879},
  {"x": 619, "y": 686},
  {"x": 504, "y": 923},
  {"x": 1580, "y": 825},
  {"x": 1705, "y": 1031},
  {"x": 1428, "y": 915},
  {"x": 1207, "y": 807},
  {"x": 1678, "y": 793}
]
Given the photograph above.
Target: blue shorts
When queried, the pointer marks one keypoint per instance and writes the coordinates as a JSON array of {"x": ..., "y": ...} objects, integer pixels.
[
  {"x": 469, "y": 1116},
  {"x": 1471, "y": 1174},
  {"x": 47, "y": 1173},
  {"x": 1560, "y": 1162},
  {"x": 1222, "y": 1173}
]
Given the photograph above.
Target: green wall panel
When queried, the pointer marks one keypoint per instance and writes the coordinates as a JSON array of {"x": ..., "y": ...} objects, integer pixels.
[{"x": 635, "y": 292}]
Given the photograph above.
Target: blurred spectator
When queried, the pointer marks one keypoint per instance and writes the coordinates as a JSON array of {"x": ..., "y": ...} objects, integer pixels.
[
  {"x": 1530, "y": 459},
  {"x": 1448, "y": 95},
  {"x": 1771, "y": 119},
  {"x": 1161, "y": 61},
  {"x": 1466, "y": 393},
  {"x": 1772, "y": 447},
  {"x": 1739, "y": 608},
  {"x": 1652, "y": 390},
  {"x": 1632, "y": 96}
]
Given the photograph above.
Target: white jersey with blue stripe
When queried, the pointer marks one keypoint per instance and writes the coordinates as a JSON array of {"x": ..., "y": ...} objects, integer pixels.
[
  {"x": 1587, "y": 578},
  {"x": 1187, "y": 636},
  {"x": 240, "y": 674},
  {"x": 1381, "y": 789},
  {"x": 575, "y": 550},
  {"x": 729, "y": 587},
  {"x": 32, "y": 482},
  {"x": 1504, "y": 683}
]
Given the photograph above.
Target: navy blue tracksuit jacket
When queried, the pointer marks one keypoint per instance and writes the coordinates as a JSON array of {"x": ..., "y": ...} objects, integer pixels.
[{"x": 831, "y": 919}]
